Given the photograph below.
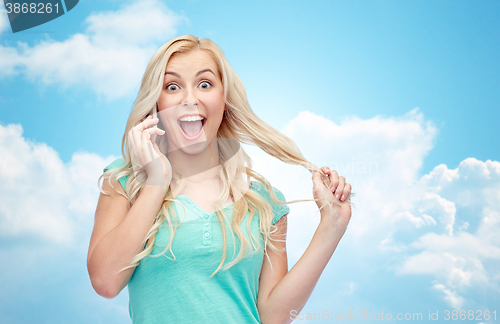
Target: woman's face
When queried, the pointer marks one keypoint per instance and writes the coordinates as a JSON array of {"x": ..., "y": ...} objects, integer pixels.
[{"x": 191, "y": 103}]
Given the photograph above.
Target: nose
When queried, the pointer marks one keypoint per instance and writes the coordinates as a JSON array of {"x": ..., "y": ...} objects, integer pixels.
[
  {"x": 190, "y": 103},
  {"x": 190, "y": 99}
]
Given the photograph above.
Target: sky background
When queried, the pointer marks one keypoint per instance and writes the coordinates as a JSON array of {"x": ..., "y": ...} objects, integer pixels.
[{"x": 401, "y": 98}]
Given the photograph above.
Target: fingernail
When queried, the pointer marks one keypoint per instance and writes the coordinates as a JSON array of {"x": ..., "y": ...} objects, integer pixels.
[
  {"x": 337, "y": 196},
  {"x": 343, "y": 197}
]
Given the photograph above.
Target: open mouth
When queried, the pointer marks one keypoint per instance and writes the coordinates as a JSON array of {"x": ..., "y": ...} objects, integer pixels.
[{"x": 191, "y": 126}]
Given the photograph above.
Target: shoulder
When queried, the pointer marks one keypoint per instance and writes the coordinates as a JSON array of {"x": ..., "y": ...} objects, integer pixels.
[
  {"x": 118, "y": 163},
  {"x": 278, "y": 209},
  {"x": 261, "y": 189}
]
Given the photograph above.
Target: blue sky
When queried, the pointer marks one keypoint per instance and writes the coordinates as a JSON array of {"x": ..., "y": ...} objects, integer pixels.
[{"x": 411, "y": 88}]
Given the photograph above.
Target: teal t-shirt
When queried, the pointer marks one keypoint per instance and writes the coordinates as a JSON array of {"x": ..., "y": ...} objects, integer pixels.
[{"x": 180, "y": 291}]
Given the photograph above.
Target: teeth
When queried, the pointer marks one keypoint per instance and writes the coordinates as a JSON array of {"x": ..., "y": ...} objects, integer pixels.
[{"x": 191, "y": 118}]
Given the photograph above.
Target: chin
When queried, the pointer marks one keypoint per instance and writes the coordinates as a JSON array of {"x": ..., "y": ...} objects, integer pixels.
[{"x": 195, "y": 148}]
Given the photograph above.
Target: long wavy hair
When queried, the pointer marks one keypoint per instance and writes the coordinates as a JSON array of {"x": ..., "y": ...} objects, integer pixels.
[{"x": 239, "y": 123}]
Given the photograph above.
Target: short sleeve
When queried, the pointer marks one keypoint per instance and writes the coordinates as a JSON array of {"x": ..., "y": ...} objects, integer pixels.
[
  {"x": 278, "y": 209},
  {"x": 118, "y": 164}
]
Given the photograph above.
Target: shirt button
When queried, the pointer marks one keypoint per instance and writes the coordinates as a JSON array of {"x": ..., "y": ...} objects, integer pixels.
[
  {"x": 206, "y": 216},
  {"x": 207, "y": 223},
  {"x": 207, "y": 234}
]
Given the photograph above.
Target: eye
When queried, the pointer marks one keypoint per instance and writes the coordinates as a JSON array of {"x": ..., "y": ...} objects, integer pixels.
[
  {"x": 172, "y": 87},
  {"x": 205, "y": 84}
]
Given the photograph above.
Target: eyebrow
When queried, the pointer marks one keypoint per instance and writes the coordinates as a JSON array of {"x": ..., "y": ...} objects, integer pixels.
[{"x": 179, "y": 76}]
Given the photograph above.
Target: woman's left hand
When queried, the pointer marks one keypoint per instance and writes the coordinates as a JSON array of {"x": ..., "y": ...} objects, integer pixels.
[{"x": 339, "y": 191}]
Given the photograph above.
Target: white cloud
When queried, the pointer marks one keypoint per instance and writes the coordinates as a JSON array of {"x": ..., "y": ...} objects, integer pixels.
[
  {"x": 140, "y": 23},
  {"x": 474, "y": 183},
  {"x": 450, "y": 296},
  {"x": 388, "y": 146},
  {"x": 423, "y": 224},
  {"x": 415, "y": 220},
  {"x": 46, "y": 218},
  {"x": 454, "y": 268},
  {"x": 469, "y": 256},
  {"x": 380, "y": 157},
  {"x": 403, "y": 223},
  {"x": 9, "y": 60},
  {"x": 43, "y": 198},
  {"x": 109, "y": 57},
  {"x": 443, "y": 210},
  {"x": 4, "y": 20}
]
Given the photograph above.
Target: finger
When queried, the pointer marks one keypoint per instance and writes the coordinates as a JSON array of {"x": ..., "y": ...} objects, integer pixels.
[
  {"x": 150, "y": 121},
  {"x": 146, "y": 123},
  {"x": 157, "y": 131},
  {"x": 340, "y": 188},
  {"x": 325, "y": 178},
  {"x": 334, "y": 180},
  {"x": 317, "y": 182},
  {"x": 346, "y": 192},
  {"x": 318, "y": 192},
  {"x": 133, "y": 152},
  {"x": 140, "y": 126},
  {"x": 154, "y": 131},
  {"x": 144, "y": 126},
  {"x": 146, "y": 145},
  {"x": 149, "y": 132},
  {"x": 136, "y": 133}
]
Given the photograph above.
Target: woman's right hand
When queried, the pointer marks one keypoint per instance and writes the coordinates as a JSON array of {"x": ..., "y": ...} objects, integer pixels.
[{"x": 150, "y": 166}]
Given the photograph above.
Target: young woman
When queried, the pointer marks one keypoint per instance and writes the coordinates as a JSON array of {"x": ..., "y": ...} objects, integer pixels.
[{"x": 179, "y": 221}]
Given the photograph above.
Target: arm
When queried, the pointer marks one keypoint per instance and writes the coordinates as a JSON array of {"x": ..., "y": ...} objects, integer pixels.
[
  {"x": 289, "y": 291},
  {"x": 118, "y": 229},
  {"x": 268, "y": 280},
  {"x": 294, "y": 288},
  {"x": 117, "y": 236}
]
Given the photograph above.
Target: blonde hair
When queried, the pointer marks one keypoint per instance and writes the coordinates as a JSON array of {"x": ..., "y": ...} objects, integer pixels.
[{"x": 239, "y": 123}]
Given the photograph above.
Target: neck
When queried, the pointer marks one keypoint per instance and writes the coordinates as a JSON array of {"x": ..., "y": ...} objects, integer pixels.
[{"x": 196, "y": 167}]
